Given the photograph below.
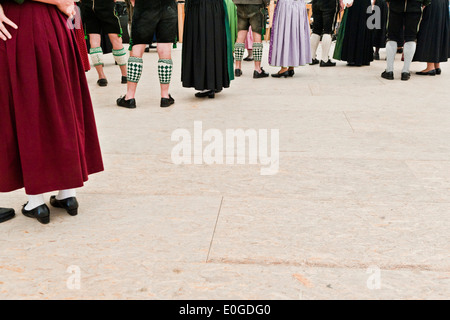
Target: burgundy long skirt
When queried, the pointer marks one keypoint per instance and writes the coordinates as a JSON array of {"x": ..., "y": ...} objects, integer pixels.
[{"x": 48, "y": 135}]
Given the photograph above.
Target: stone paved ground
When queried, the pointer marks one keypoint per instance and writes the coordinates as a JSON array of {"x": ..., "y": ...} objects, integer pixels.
[{"x": 359, "y": 208}]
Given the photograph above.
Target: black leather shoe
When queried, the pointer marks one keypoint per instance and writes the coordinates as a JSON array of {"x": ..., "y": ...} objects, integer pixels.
[
  {"x": 329, "y": 63},
  {"x": 438, "y": 71},
  {"x": 238, "y": 72},
  {"x": 429, "y": 73},
  {"x": 102, "y": 82},
  {"x": 209, "y": 93},
  {"x": 388, "y": 75},
  {"x": 259, "y": 75},
  {"x": 291, "y": 73},
  {"x": 283, "y": 74},
  {"x": 249, "y": 59},
  {"x": 406, "y": 76},
  {"x": 314, "y": 62},
  {"x": 69, "y": 204},
  {"x": 41, "y": 213},
  {"x": 167, "y": 102},
  {"x": 6, "y": 214},
  {"x": 130, "y": 104},
  {"x": 124, "y": 80}
]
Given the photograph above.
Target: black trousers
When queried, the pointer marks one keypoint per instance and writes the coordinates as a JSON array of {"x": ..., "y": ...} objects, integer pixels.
[
  {"x": 325, "y": 16},
  {"x": 403, "y": 26},
  {"x": 158, "y": 17}
]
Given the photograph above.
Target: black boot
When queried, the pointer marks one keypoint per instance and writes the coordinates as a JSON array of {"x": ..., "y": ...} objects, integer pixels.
[
  {"x": 41, "y": 213},
  {"x": 69, "y": 204}
]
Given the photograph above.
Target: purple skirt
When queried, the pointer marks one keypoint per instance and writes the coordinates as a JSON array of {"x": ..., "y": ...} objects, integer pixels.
[{"x": 290, "y": 41}]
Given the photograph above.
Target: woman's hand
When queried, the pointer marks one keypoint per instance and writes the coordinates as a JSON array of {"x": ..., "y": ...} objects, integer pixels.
[
  {"x": 4, "y": 34},
  {"x": 67, "y": 7}
]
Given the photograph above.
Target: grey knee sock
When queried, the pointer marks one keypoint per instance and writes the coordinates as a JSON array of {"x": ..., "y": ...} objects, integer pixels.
[
  {"x": 409, "y": 49},
  {"x": 391, "y": 50}
]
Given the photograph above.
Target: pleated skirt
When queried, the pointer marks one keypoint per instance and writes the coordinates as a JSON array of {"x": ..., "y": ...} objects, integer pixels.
[
  {"x": 355, "y": 40},
  {"x": 433, "y": 41},
  {"x": 290, "y": 40},
  {"x": 48, "y": 135},
  {"x": 380, "y": 35},
  {"x": 206, "y": 46}
]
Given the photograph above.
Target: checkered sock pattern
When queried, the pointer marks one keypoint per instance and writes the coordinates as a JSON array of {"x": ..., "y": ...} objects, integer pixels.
[
  {"x": 239, "y": 49},
  {"x": 165, "y": 67},
  {"x": 135, "y": 66},
  {"x": 120, "y": 56},
  {"x": 97, "y": 56},
  {"x": 258, "y": 51}
]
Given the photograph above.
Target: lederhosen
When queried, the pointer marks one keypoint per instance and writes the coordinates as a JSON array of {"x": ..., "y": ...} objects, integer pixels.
[
  {"x": 324, "y": 14},
  {"x": 100, "y": 16}
]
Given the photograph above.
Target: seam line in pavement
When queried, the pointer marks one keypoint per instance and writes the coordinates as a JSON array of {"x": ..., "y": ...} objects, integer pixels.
[{"x": 214, "y": 232}]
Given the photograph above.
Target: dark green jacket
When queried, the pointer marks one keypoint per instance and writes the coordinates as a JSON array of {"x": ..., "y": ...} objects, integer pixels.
[{"x": 412, "y": 6}]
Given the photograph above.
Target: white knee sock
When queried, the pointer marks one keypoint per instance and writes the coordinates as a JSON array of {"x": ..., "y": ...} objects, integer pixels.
[
  {"x": 34, "y": 201},
  {"x": 391, "y": 51},
  {"x": 64, "y": 194},
  {"x": 409, "y": 49},
  {"x": 326, "y": 45},
  {"x": 315, "y": 41}
]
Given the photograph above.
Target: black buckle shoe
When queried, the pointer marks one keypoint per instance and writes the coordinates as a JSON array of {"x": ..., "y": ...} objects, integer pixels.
[
  {"x": 388, "y": 75},
  {"x": 41, "y": 213},
  {"x": 406, "y": 76},
  {"x": 124, "y": 80},
  {"x": 6, "y": 214},
  {"x": 69, "y": 204},
  {"x": 314, "y": 62},
  {"x": 167, "y": 102},
  {"x": 130, "y": 104},
  {"x": 102, "y": 82},
  {"x": 329, "y": 63},
  {"x": 238, "y": 72},
  {"x": 259, "y": 75}
]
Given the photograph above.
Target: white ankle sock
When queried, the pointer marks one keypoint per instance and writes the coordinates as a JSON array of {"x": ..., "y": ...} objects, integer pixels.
[
  {"x": 315, "y": 41},
  {"x": 34, "y": 201},
  {"x": 326, "y": 45},
  {"x": 64, "y": 194}
]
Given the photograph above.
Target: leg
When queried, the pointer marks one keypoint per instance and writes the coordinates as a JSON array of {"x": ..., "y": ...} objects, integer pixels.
[
  {"x": 96, "y": 54},
  {"x": 395, "y": 36},
  {"x": 317, "y": 30},
  {"x": 328, "y": 27},
  {"x": 165, "y": 67},
  {"x": 119, "y": 52},
  {"x": 258, "y": 50},
  {"x": 239, "y": 48},
  {"x": 135, "y": 66},
  {"x": 412, "y": 21}
]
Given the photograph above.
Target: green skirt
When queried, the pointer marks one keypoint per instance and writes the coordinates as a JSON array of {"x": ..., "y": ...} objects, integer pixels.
[{"x": 340, "y": 37}]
